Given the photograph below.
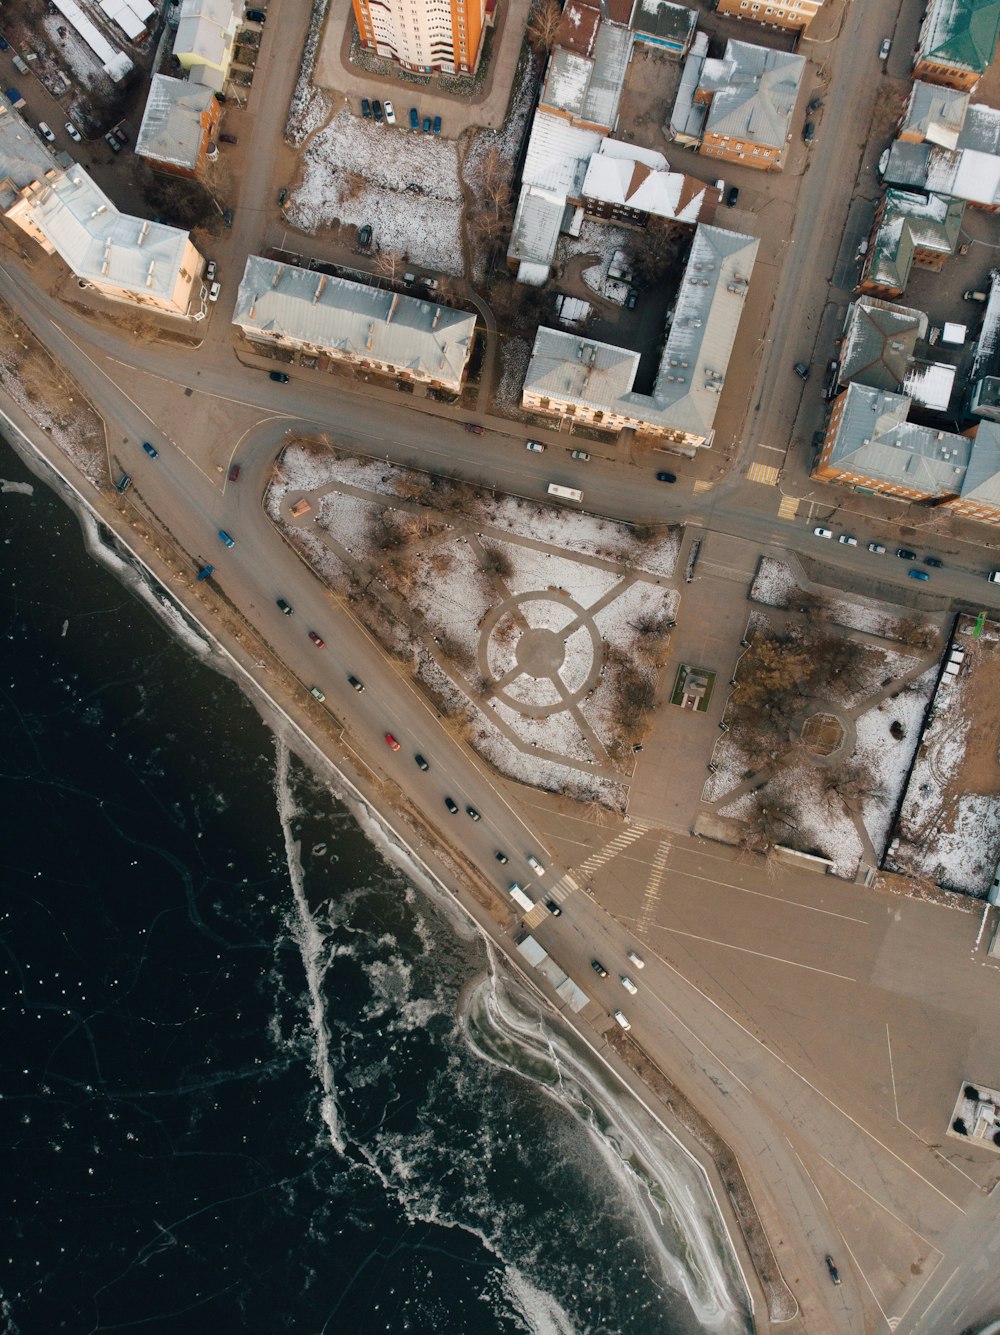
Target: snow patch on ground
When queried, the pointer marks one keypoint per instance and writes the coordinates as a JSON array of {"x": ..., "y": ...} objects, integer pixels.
[
  {"x": 887, "y": 759},
  {"x": 618, "y": 620},
  {"x": 559, "y": 733},
  {"x": 732, "y": 767},
  {"x": 774, "y": 583},
  {"x": 585, "y": 584},
  {"x": 821, "y": 826},
  {"x": 515, "y": 354}
]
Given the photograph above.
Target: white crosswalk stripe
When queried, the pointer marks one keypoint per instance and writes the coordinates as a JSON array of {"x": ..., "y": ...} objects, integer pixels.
[{"x": 652, "y": 896}]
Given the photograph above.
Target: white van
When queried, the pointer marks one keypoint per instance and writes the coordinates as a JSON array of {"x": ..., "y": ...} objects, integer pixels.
[
  {"x": 519, "y": 897},
  {"x": 621, "y": 1020}
]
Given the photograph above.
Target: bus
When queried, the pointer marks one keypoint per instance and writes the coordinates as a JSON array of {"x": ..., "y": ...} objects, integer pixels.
[
  {"x": 519, "y": 897},
  {"x": 565, "y": 493}
]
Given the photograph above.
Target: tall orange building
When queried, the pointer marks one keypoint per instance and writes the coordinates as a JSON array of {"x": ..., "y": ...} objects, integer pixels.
[{"x": 428, "y": 36}]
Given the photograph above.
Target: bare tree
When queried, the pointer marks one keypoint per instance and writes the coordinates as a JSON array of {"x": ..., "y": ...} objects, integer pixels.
[
  {"x": 543, "y": 24},
  {"x": 351, "y": 185},
  {"x": 388, "y": 263}
]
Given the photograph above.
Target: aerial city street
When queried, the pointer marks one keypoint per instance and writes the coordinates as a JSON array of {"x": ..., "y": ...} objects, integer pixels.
[{"x": 572, "y": 425}]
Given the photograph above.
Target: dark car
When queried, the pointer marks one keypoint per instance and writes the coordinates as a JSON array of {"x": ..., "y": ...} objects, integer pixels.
[
  {"x": 599, "y": 968},
  {"x": 427, "y": 124},
  {"x": 451, "y": 805},
  {"x": 234, "y": 473},
  {"x": 228, "y": 139},
  {"x": 278, "y": 376},
  {"x": 421, "y": 762},
  {"x": 732, "y": 196},
  {"x": 353, "y": 681},
  {"x": 123, "y": 483},
  {"x": 285, "y": 607},
  {"x": 934, "y": 561},
  {"x": 631, "y": 299},
  {"x": 377, "y": 110},
  {"x": 834, "y": 1272},
  {"x": 320, "y": 644},
  {"x": 553, "y": 908},
  {"x": 814, "y": 105},
  {"x": 366, "y": 109},
  {"x": 476, "y": 430},
  {"x": 365, "y": 235},
  {"x": 282, "y": 196},
  {"x": 905, "y": 554},
  {"x": 666, "y": 477},
  {"x": 227, "y": 218},
  {"x": 918, "y": 574},
  {"x": 801, "y": 370},
  {"x": 120, "y": 135},
  {"x": 414, "y": 119},
  {"x": 808, "y": 132},
  {"x": 437, "y": 124},
  {"x": 502, "y": 857},
  {"x": 256, "y": 16},
  {"x": 153, "y": 453},
  {"x": 471, "y": 811},
  {"x": 4, "y": 44}
]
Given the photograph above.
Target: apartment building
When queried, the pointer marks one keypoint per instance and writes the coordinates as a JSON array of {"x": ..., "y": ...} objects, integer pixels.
[
  {"x": 793, "y": 14},
  {"x": 427, "y": 36},
  {"x": 957, "y": 43},
  {"x": 180, "y": 121}
]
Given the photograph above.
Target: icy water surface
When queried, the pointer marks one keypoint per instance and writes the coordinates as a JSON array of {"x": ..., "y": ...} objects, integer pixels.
[{"x": 251, "y": 1079}]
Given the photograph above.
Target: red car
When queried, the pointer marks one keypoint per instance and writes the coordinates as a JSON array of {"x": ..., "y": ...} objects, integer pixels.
[
  {"x": 316, "y": 640},
  {"x": 234, "y": 473},
  {"x": 476, "y": 430},
  {"x": 391, "y": 742}
]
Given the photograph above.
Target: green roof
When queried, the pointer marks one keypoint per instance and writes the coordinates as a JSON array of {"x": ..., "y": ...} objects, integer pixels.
[{"x": 960, "y": 33}]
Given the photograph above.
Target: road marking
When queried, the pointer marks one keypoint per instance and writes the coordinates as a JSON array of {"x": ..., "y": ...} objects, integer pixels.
[
  {"x": 563, "y": 888},
  {"x": 701, "y": 485},
  {"x": 635, "y": 830},
  {"x": 761, "y": 954},
  {"x": 534, "y": 916},
  {"x": 892, "y": 1073},
  {"x": 765, "y": 473},
  {"x": 789, "y": 507},
  {"x": 652, "y": 896},
  {"x": 778, "y": 449}
]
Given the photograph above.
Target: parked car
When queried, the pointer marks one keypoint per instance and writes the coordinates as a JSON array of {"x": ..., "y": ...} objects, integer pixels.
[
  {"x": 123, "y": 483},
  {"x": 414, "y": 119},
  {"x": 112, "y": 142},
  {"x": 150, "y": 450},
  {"x": 934, "y": 561},
  {"x": 918, "y": 574},
  {"x": 474, "y": 428},
  {"x": 210, "y": 269},
  {"x": 366, "y": 109},
  {"x": 877, "y": 548},
  {"x": 256, "y": 16},
  {"x": 599, "y": 968},
  {"x": 4, "y": 44},
  {"x": 421, "y": 762},
  {"x": 213, "y": 291},
  {"x": 905, "y": 554},
  {"x": 365, "y": 235},
  {"x": 227, "y": 218},
  {"x": 390, "y": 113},
  {"x": 732, "y": 196},
  {"x": 847, "y": 540},
  {"x": 278, "y": 376},
  {"x": 427, "y": 125},
  {"x": 314, "y": 690},
  {"x": 582, "y": 455},
  {"x": 282, "y": 196},
  {"x": 234, "y": 473},
  {"x": 808, "y": 132},
  {"x": 377, "y": 110},
  {"x": 391, "y": 742},
  {"x": 437, "y": 124},
  {"x": 885, "y": 48},
  {"x": 823, "y": 532},
  {"x": 553, "y": 908},
  {"x": 46, "y": 132},
  {"x": 452, "y": 805},
  {"x": 471, "y": 811},
  {"x": 535, "y": 446},
  {"x": 120, "y": 135},
  {"x": 801, "y": 370},
  {"x": 631, "y": 299},
  {"x": 666, "y": 477},
  {"x": 73, "y": 132},
  {"x": 226, "y": 539},
  {"x": 814, "y": 105},
  {"x": 285, "y": 607},
  {"x": 320, "y": 644}
]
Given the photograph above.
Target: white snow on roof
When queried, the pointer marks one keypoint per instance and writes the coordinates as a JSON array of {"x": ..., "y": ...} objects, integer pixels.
[
  {"x": 620, "y": 179},
  {"x": 114, "y": 63},
  {"x": 558, "y": 154},
  {"x": 171, "y": 129},
  {"x": 930, "y": 384}
]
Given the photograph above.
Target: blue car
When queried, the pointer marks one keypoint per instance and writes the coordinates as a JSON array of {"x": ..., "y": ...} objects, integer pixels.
[
  {"x": 224, "y": 537},
  {"x": 4, "y": 44},
  {"x": 919, "y": 574},
  {"x": 414, "y": 119},
  {"x": 427, "y": 125},
  {"x": 437, "y": 124},
  {"x": 149, "y": 449}
]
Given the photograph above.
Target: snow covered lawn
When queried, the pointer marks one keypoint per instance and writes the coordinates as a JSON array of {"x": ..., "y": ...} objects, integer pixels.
[{"x": 888, "y": 758}]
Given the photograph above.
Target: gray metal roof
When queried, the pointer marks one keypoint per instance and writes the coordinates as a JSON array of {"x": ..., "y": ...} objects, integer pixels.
[
  {"x": 537, "y": 224},
  {"x": 24, "y": 156},
  {"x": 936, "y": 114},
  {"x": 879, "y": 342},
  {"x": 910, "y": 220},
  {"x": 686, "y": 122},
  {"x": 986, "y": 361},
  {"x": 298, "y": 306},
  {"x": 171, "y": 129},
  {"x": 588, "y": 88},
  {"x": 906, "y": 165},
  {"x": 982, "y": 477},
  {"x": 665, "y": 22},
  {"x": 755, "y": 90},
  {"x": 579, "y": 370},
  {"x": 875, "y": 440}
]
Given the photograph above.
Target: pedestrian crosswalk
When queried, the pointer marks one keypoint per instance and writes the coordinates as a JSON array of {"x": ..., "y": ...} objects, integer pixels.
[
  {"x": 789, "y": 507},
  {"x": 701, "y": 485},
  {"x": 765, "y": 473},
  {"x": 633, "y": 831},
  {"x": 652, "y": 896}
]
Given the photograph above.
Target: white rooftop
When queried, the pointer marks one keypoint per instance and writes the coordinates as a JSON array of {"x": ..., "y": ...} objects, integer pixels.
[{"x": 171, "y": 129}]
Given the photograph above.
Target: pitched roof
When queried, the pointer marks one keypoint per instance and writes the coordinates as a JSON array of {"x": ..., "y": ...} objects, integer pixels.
[
  {"x": 367, "y": 322},
  {"x": 754, "y": 93},
  {"x": 875, "y": 440},
  {"x": 579, "y": 27},
  {"x": 935, "y": 114},
  {"x": 982, "y": 477},
  {"x": 622, "y": 174},
  {"x": 879, "y": 342},
  {"x": 171, "y": 129},
  {"x": 909, "y": 221},
  {"x": 588, "y": 88},
  {"x": 961, "y": 34},
  {"x": 579, "y": 370}
]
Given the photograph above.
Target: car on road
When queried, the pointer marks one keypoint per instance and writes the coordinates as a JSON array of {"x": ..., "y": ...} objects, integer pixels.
[
  {"x": 620, "y": 1019},
  {"x": 905, "y": 554},
  {"x": 934, "y": 561},
  {"x": 314, "y": 690},
  {"x": 123, "y": 483},
  {"x": 414, "y": 119},
  {"x": 278, "y": 376},
  {"x": 377, "y": 110},
  {"x": 883, "y": 54},
  {"x": 73, "y": 132},
  {"x": 471, "y": 811},
  {"x": 994, "y": 577},
  {"x": 234, "y": 473},
  {"x": 287, "y": 608},
  {"x": 808, "y": 132},
  {"x": 228, "y": 139},
  {"x": 637, "y": 960},
  {"x": 320, "y": 644},
  {"x": 582, "y": 455},
  {"x": 365, "y": 235},
  {"x": 390, "y": 113},
  {"x": 46, "y": 132},
  {"x": 391, "y": 742},
  {"x": 501, "y": 857},
  {"x": 732, "y": 196},
  {"x": 847, "y": 540},
  {"x": 227, "y": 218},
  {"x": 452, "y": 805},
  {"x": 210, "y": 271},
  {"x": 225, "y": 538},
  {"x": 823, "y": 532},
  {"x": 421, "y": 762},
  {"x": 355, "y": 683},
  {"x": 112, "y": 142},
  {"x": 366, "y": 109},
  {"x": 553, "y": 908},
  {"x": 437, "y": 124},
  {"x": 877, "y": 548},
  {"x": 627, "y": 984},
  {"x": 256, "y": 16},
  {"x": 535, "y": 446},
  {"x": 833, "y": 1271},
  {"x": 801, "y": 370},
  {"x": 150, "y": 450},
  {"x": 535, "y": 865},
  {"x": 666, "y": 477},
  {"x": 213, "y": 291},
  {"x": 599, "y": 968},
  {"x": 426, "y": 127},
  {"x": 918, "y": 574},
  {"x": 474, "y": 428}
]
